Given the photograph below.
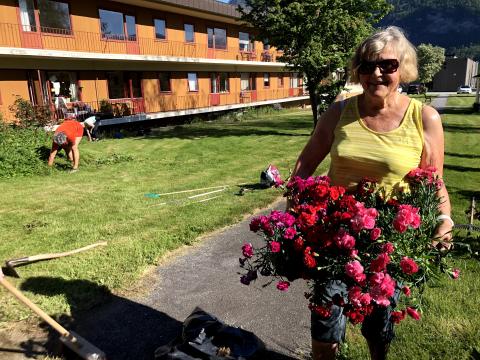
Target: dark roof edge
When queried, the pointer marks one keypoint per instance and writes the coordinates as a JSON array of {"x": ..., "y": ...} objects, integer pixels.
[{"x": 210, "y": 6}]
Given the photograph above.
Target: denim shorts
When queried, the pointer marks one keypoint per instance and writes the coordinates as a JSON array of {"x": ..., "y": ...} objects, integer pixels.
[{"x": 376, "y": 327}]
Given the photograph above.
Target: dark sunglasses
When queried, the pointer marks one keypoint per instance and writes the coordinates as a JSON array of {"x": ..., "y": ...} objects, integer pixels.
[{"x": 388, "y": 66}]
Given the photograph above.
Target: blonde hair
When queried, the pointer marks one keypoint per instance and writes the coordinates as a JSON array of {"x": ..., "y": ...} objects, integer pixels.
[{"x": 394, "y": 38}]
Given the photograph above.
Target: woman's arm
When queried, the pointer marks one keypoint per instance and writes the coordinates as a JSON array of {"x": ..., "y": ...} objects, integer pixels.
[
  {"x": 433, "y": 155},
  {"x": 320, "y": 142}
]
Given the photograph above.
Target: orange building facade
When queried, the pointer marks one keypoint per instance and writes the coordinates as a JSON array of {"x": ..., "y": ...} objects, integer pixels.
[{"x": 146, "y": 59}]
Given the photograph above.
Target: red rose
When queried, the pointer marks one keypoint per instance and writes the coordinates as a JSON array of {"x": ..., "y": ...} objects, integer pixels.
[
  {"x": 283, "y": 285},
  {"x": 334, "y": 193},
  {"x": 398, "y": 316},
  {"x": 298, "y": 244},
  {"x": 309, "y": 261},
  {"x": 322, "y": 311},
  {"x": 380, "y": 263},
  {"x": 375, "y": 233},
  {"x": 275, "y": 246},
  {"x": 408, "y": 266},
  {"x": 406, "y": 290},
  {"x": 413, "y": 313}
]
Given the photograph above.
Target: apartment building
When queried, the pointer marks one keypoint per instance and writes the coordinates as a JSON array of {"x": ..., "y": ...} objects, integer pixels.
[{"x": 136, "y": 60}]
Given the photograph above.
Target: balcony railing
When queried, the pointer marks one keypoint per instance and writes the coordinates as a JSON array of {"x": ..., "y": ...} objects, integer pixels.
[
  {"x": 18, "y": 36},
  {"x": 112, "y": 108}
]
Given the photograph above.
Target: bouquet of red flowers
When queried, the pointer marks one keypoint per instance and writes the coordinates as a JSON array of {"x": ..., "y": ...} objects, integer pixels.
[{"x": 372, "y": 244}]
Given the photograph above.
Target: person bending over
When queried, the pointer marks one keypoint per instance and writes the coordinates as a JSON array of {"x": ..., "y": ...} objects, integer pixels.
[{"x": 68, "y": 136}]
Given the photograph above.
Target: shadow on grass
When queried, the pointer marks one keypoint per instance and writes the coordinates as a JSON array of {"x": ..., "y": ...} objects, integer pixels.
[
  {"x": 183, "y": 132},
  {"x": 456, "y": 110},
  {"x": 460, "y": 168},
  {"x": 43, "y": 152},
  {"x": 460, "y": 128},
  {"x": 122, "y": 328},
  {"x": 466, "y": 156}
]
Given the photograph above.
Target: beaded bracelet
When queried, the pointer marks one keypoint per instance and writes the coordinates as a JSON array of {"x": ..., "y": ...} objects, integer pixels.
[{"x": 445, "y": 217}]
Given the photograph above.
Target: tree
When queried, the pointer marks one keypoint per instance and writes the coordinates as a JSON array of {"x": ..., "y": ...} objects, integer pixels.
[
  {"x": 430, "y": 61},
  {"x": 317, "y": 37}
]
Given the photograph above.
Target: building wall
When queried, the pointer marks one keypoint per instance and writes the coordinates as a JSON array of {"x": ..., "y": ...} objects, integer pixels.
[
  {"x": 455, "y": 72},
  {"x": 93, "y": 84},
  {"x": 85, "y": 26},
  {"x": 13, "y": 83}
]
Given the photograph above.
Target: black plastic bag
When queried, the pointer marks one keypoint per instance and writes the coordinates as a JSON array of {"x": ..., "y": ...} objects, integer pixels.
[{"x": 205, "y": 337}]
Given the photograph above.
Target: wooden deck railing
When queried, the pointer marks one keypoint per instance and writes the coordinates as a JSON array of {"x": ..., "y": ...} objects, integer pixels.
[{"x": 16, "y": 36}]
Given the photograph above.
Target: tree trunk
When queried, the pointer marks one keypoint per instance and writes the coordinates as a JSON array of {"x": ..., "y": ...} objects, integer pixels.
[{"x": 314, "y": 104}]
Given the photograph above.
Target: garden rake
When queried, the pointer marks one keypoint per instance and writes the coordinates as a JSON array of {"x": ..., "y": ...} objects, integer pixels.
[
  {"x": 10, "y": 264},
  {"x": 73, "y": 341}
]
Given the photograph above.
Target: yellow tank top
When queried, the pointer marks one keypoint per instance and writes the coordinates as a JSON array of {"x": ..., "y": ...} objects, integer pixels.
[{"x": 358, "y": 152}]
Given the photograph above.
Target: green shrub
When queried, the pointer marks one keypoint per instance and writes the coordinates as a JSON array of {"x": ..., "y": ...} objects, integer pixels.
[
  {"x": 23, "y": 151},
  {"x": 106, "y": 107},
  {"x": 28, "y": 115}
]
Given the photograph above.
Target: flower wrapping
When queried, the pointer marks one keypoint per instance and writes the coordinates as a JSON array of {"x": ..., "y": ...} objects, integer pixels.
[{"x": 371, "y": 243}]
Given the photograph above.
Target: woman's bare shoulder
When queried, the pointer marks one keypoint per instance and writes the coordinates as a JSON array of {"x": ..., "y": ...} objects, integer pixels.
[{"x": 430, "y": 118}]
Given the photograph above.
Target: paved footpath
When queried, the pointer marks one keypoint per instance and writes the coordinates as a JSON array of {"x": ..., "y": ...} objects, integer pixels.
[
  {"x": 204, "y": 275},
  {"x": 440, "y": 102}
]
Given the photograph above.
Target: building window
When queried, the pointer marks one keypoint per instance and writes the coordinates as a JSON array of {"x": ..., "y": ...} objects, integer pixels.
[
  {"x": 160, "y": 29},
  {"x": 54, "y": 17},
  {"x": 165, "y": 78},
  {"x": 27, "y": 15},
  {"x": 217, "y": 38},
  {"x": 192, "y": 82},
  {"x": 131, "y": 28},
  {"x": 266, "y": 80},
  {"x": 266, "y": 45},
  {"x": 245, "y": 42},
  {"x": 111, "y": 24},
  {"x": 123, "y": 85},
  {"x": 247, "y": 82},
  {"x": 294, "y": 83},
  {"x": 189, "y": 33},
  {"x": 219, "y": 83},
  {"x": 280, "y": 80}
]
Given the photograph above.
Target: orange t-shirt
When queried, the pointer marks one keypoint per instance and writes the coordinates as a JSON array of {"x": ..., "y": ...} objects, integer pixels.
[{"x": 72, "y": 130}]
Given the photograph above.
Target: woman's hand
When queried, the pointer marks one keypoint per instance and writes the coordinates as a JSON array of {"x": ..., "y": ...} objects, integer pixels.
[{"x": 443, "y": 236}]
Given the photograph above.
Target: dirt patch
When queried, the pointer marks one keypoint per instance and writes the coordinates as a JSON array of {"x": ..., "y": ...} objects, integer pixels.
[{"x": 24, "y": 340}]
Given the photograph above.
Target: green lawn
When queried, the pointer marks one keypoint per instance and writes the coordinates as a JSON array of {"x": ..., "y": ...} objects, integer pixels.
[
  {"x": 463, "y": 100},
  {"x": 106, "y": 200}
]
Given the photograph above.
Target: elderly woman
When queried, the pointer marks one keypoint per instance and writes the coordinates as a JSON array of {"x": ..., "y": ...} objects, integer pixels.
[{"x": 380, "y": 134}]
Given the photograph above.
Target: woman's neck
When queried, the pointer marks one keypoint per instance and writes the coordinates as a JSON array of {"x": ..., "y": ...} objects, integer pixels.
[{"x": 377, "y": 104}]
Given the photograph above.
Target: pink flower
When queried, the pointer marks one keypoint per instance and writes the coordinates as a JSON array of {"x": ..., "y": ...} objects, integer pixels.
[
  {"x": 289, "y": 233},
  {"x": 283, "y": 285},
  {"x": 247, "y": 250},
  {"x": 355, "y": 270},
  {"x": 408, "y": 266},
  {"x": 344, "y": 240},
  {"x": 364, "y": 218},
  {"x": 275, "y": 246},
  {"x": 388, "y": 248},
  {"x": 406, "y": 290},
  {"x": 357, "y": 298},
  {"x": 413, "y": 313},
  {"x": 382, "y": 287},
  {"x": 375, "y": 233},
  {"x": 380, "y": 263},
  {"x": 407, "y": 216},
  {"x": 455, "y": 273}
]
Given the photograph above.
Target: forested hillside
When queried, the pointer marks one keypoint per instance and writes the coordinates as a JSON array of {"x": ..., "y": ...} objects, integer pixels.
[{"x": 452, "y": 24}]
